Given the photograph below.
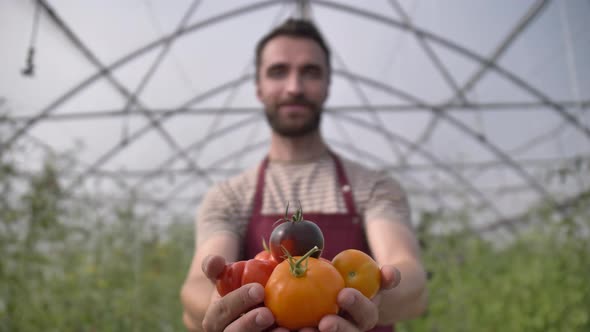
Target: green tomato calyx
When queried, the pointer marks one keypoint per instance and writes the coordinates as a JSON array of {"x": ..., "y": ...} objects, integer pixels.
[{"x": 298, "y": 267}]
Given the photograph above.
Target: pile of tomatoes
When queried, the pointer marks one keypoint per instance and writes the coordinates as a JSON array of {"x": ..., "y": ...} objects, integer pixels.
[{"x": 300, "y": 286}]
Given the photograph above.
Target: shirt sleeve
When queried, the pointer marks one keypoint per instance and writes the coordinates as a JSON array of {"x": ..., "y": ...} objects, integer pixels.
[
  {"x": 388, "y": 201},
  {"x": 216, "y": 214}
]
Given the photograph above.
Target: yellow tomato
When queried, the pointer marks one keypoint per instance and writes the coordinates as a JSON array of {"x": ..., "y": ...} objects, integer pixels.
[{"x": 359, "y": 271}]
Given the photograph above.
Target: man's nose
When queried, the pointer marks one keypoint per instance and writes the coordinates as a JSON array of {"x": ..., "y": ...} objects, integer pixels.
[{"x": 294, "y": 85}]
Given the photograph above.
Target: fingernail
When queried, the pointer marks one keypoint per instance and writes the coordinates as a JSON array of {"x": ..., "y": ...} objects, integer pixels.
[
  {"x": 347, "y": 300},
  {"x": 263, "y": 320},
  {"x": 333, "y": 328},
  {"x": 256, "y": 294}
]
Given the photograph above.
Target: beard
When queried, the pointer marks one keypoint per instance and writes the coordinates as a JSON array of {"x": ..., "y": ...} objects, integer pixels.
[{"x": 287, "y": 128}]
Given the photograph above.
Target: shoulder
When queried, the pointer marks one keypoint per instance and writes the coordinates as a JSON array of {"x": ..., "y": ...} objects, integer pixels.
[
  {"x": 243, "y": 181},
  {"x": 379, "y": 194},
  {"x": 234, "y": 188},
  {"x": 372, "y": 182},
  {"x": 355, "y": 166},
  {"x": 359, "y": 174}
]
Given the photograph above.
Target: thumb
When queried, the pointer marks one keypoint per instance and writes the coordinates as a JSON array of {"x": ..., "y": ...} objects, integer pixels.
[
  {"x": 390, "y": 277},
  {"x": 212, "y": 266}
]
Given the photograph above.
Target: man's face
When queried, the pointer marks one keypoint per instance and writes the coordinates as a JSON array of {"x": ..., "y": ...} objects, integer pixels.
[{"x": 293, "y": 82}]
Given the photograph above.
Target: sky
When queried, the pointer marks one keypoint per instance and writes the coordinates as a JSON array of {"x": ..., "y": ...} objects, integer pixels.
[{"x": 394, "y": 103}]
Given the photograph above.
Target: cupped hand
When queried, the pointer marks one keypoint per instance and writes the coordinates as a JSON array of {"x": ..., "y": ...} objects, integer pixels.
[
  {"x": 238, "y": 310},
  {"x": 359, "y": 312}
]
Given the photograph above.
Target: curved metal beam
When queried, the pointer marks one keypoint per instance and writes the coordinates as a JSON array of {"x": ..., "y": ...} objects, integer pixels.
[
  {"x": 534, "y": 11},
  {"x": 143, "y": 130},
  {"x": 125, "y": 59},
  {"x": 261, "y": 5},
  {"x": 233, "y": 92},
  {"x": 326, "y": 3},
  {"x": 456, "y": 123},
  {"x": 119, "y": 87},
  {"x": 365, "y": 154},
  {"x": 372, "y": 127},
  {"x": 461, "y": 50},
  {"x": 200, "y": 144},
  {"x": 375, "y": 116},
  {"x": 563, "y": 207},
  {"x": 387, "y": 108},
  {"x": 227, "y": 158},
  {"x": 541, "y": 190},
  {"x": 359, "y": 78},
  {"x": 264, "y": 4},
  {"x": 485, "y": 165},
  {"x": 428, "y": 156},
  {"x": 438, "y": 63},
  {"x": 389, "y": 135},
  {"x": 522, "y": 24},
  {"x": 254, "y": 146},
  {"x": 213, "y": 135},
  {"x": 367, "y": 105}
]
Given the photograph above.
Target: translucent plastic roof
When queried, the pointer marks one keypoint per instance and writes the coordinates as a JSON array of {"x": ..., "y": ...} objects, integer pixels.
[{"x": 470, "y": 104}]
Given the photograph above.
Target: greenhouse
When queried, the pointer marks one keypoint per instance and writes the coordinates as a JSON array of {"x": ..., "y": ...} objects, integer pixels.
[{"x": 117, "y": 117}]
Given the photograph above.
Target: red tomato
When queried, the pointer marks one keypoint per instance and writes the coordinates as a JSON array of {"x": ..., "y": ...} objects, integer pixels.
[
  {"x": 297, "y": 236},
  {"x": 359, "y": 271},
  {"x": 237, "y": 274},
  {"x": 265, "y": 254},
  {"x": 302, "y": 290}
]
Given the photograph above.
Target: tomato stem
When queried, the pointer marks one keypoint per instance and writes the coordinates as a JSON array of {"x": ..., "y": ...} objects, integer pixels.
[
  {"x": 287, "y": 212},
  {"x": 298, "y": 215},
  {"x": 297, "y": 269},
  {"x": 264, "y": 246}
]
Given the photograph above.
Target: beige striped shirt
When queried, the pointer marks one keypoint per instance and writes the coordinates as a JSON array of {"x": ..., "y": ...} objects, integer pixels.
[{"x": 227, "y": 206}]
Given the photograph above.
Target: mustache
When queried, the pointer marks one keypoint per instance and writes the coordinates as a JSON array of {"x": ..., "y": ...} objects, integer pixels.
[{"x": 300, "y": 100}]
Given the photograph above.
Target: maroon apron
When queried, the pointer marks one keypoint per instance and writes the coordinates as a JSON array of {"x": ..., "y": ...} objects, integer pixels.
[{"x": 341, "y": 230}]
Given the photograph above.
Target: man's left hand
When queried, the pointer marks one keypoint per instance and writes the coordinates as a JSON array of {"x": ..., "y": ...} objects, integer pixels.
[{"x": 360, "y": 313}]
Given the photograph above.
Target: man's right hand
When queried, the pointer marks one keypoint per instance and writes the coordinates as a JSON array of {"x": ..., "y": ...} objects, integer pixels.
[
  {"x": 234, "y": 312},
  {"x": 237, "y": 310}
]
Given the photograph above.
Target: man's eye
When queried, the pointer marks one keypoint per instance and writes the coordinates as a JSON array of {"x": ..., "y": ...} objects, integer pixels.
[
  {"x": 276, "y": 72},
  {"x": 313, "y": 73}
]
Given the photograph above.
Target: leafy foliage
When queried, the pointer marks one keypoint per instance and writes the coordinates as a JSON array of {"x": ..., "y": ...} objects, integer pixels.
[
  {"x": 537, "y": 282},
  {"x": 87, "y": 264},
  {"x": 66, "y": 267}
]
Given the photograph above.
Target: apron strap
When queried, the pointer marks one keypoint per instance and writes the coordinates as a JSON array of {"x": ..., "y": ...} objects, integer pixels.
[
  {"x": 258, "y": 195},
  {"x": 344, "y": 185}
]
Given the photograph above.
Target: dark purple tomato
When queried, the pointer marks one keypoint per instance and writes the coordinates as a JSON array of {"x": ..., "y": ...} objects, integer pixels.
[{"x": 297, "y": 236}]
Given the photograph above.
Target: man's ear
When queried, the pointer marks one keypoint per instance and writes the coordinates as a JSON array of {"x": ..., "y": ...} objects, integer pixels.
[
  {"x": 328, "y": 88},
  {"x": 258, "y": 92}
]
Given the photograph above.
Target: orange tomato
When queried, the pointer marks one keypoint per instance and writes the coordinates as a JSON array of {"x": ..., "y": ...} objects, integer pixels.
[
  {"x": 359, "y": 271},
  {"x": 302, "y": 290}
]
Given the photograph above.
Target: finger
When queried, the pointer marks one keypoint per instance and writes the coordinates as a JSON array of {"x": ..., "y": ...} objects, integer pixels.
[
  {"x": 280, "y": 329},
  {"x": 229, "y": 308},
  {"x": 189, "y": 323},
  {"x": 336, "y": 323},
  {"x": 212, "y": 266},
  {"x": 253, "y": 321},
  {"x": 363, "y": 312},
  {"x": 308, "y": 329},
  {"x": 390, "y": 277}
]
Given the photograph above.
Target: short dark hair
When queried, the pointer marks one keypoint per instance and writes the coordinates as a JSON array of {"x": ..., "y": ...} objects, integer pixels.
[{"x": 296, "y": 28}]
